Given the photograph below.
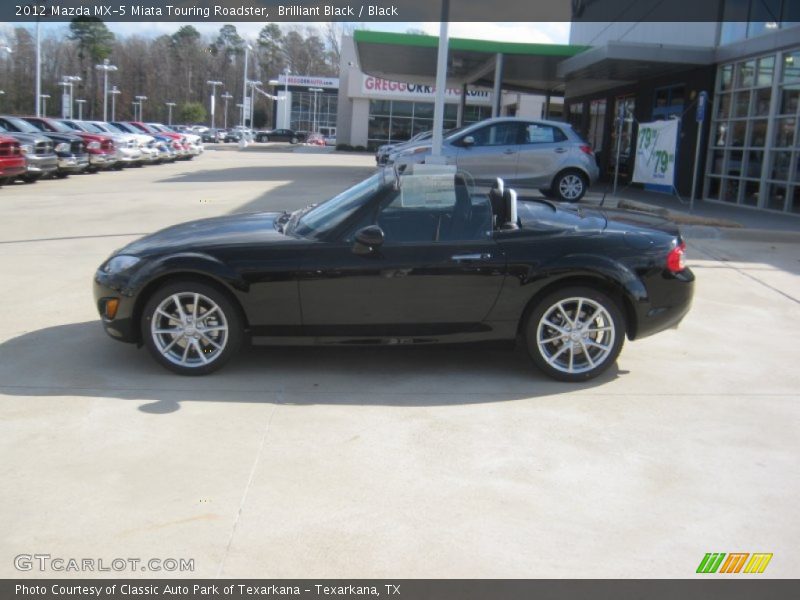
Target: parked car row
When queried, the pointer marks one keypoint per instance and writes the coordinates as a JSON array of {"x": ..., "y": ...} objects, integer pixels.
[
  {"x": 36, "y": 147},
  {"x": 545, "y": 155}
]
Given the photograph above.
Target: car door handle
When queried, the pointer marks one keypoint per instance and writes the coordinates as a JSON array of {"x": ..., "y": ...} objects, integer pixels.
[
  {"x": 470, "y": 257},
  {"x": 561, "y": 150}
]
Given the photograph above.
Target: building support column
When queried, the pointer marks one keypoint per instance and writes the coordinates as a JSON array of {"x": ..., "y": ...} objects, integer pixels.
[
  {"x": 497, "y": 99},
  {"x": 546, "y": 111},
  {"x": 462, "y": 105},
  {"x": 441, "y": 87}
]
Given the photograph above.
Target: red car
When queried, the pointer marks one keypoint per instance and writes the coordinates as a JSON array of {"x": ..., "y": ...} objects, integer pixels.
[{"x": 12, "y": 161}]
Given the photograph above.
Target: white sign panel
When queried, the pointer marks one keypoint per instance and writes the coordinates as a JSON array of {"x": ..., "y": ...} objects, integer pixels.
[
  {"x": 309, "y": 80},
  {"x": 375, "y": 87},
  {"x": 655, "y": 152}
]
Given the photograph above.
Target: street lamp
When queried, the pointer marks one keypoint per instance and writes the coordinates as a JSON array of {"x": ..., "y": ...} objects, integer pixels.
[
  {"x": 315, "y": 91},
  {"x": 213, "y": 85},
  {"x": 135, "y": 115},
  {"x": 286, "y": 122},
  {"x": 226, "y": 96},
  {"x": 253, "y": 85},
  {"x": 247, "y": 49},
  {"x": 67, "y": 82},
  {"x": 141, "y": 100},
  {"x": 44, "y": 98},
  {"x": 169, "y": 108},
  {"x": 241, "y": 110},
  {"x": 114, "y": 91},
  {"x": 80, "y": 102},
  {"x": 105, "y": 68}
]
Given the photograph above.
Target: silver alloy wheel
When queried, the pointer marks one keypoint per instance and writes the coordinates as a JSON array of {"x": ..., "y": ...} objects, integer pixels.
[
  {"x": 575, "y": 335},
  {"x": 189, "y": 329},
  {"x": 571, "y": 186}
]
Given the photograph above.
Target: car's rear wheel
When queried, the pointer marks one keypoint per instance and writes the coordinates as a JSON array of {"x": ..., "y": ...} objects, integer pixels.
[
  {"x": 570, "y": 186},
  {"x": 191, "y": 328},
  {"x": 294, "y": 140},
  {"x": 575, "y": 333}
]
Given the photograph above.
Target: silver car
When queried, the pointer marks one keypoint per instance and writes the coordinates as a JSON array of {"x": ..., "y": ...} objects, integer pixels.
[{"x": 547, "y": 155}]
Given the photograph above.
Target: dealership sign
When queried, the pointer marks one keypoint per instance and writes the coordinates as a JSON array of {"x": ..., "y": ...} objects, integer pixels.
[
  {"x": 309, "y": 80},
  {"x": 376, "y": 87},
  {"x": 655, "y": 152}
]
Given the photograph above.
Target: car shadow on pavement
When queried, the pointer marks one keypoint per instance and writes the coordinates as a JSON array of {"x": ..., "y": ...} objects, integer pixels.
[
  {"x": 80, "y": 360},
  {"x": 272, "y": 173}
]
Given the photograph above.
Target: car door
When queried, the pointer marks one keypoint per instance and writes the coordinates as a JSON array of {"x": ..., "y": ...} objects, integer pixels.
[
  {"x": 490, "y": 152},
  {"x": 543, "y": 151},
  {"x": 436, "y": 272}
]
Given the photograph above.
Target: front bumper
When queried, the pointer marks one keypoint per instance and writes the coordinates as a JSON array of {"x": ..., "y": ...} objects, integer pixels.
[
  {"x": 40, "y": 165},
  {"x": 73, "y": 163},
  {"x": 128, "y": 155},
  {"x": 102, "y": 160},
  {"x": 122, "y": 327}
]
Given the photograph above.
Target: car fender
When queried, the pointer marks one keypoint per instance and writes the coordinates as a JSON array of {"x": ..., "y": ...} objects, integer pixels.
[
  {"x": 188, "y": 263},
  {"x": 612, "y": 271}
]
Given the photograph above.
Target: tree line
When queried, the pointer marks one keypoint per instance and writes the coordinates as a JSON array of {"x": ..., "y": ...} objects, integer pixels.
[{"x": 167, "y": 68}]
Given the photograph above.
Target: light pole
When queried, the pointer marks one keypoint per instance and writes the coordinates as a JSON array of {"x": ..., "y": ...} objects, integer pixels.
[
  {"x": 135, "y": 115},
  {"x": 44, "y": 98},
  {"x": 241, "y": 110},
  {"x": 315, "y": 91},
  {"x": 141, "y": 100},
  {"x": 80, "y": 102},
  {"x": 247, "y": 49},
  {"x": 68, "y": 82},
  {"x": 213, "y": 101},
  {"x": 286, "y": 122},
  {"x": 105, "y": 68},
  {"x": 114, "y": 91},
  {"x": 253, "y": 85},
  {"x": 226, "y": 96},
  {"x": 169, "y": 108}
]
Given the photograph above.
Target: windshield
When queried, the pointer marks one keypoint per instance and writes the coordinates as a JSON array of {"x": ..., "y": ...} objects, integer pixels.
[
  {"x": 66, "y": 126},
  {"x": 126, "y": 128},
  {"x": 112, "y": 128},
  {"x": 92, "y": 128},
  {"x": 22, "y": 126},
  {"x": 335, "y": 211}
]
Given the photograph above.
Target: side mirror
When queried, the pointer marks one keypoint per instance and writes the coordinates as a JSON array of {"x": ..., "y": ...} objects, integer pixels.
[
  {"x": 368, "y": 239},
  {"x": 468, "y": 141}
]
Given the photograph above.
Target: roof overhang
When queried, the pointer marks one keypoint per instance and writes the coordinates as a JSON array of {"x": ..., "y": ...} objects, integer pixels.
[
  {"x": 620, "y": 63},
  {"x": 412, "y": 58}
]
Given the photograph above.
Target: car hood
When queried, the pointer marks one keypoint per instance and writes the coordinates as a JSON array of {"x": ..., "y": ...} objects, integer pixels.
[
  {"x": 197, "y": 236},
  {"x": 28, "y": 138},
  {"x": 62, "y": 137}
]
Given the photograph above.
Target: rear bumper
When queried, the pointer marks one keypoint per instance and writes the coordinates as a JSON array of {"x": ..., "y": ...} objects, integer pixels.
[{"x": 674, "y": 293}]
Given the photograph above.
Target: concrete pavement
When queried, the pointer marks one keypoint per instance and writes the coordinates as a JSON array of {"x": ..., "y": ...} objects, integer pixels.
[{"x": 395, "y": 462}]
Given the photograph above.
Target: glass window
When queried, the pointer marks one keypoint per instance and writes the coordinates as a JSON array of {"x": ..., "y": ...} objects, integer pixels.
[
  {"x": 789, "y": 100},
  {"x": 738, "y": 130},
  {"x": 745, "y": 74},
  {"x": 500, "y": 134},
  {"x": 791, "y": 67},
  {"x": 713, "y": 188},
  {"x": 725, "y": 78},
  {"x": 762, "y": 100},
  {"x": 402, "y": 109},
  {"x": 776, "y": 196},
  {"x": 735, "y": 163},
  {"x": 741, "y": 104},
  {"x": 766, "y": 67},
  {"x": 716, "y": 162},
  {"x": 784, "y": 133},
  {"x": 750, "y": 193},
  {"x": 423, "y": 110},
  {"x": 380, "y": 107},
  {"x": 794, "y": 201},
  {"x": 755, "y": 159},
  {"x": 780, "y": 165},
  {"x": 536, "y": 133},
  {"x": 724, "y": 106},
  {"x": 597, "y": 120},
  {"x": 758, "y": 133}
]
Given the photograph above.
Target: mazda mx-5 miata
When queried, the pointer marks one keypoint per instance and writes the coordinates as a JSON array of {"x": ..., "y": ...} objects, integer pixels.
[{"x": 412, "y": 259}]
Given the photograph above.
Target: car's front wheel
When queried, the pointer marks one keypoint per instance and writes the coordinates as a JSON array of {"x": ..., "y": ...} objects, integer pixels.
[
  {"x": 191, "y": 328},
  {"x": 575, "y": 333},
  {"x": 294, "y": 140},
  {"x": 570, "y": 186}
]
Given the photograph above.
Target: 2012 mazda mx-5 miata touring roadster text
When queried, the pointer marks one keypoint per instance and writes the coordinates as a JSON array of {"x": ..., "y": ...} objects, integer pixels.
[{"x": 402, "y": 259}]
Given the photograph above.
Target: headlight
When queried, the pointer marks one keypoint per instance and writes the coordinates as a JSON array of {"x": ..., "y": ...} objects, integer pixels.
[
  {"x": 93, "y": 145},
  {"x": 120, "y": 263},
  {"x": 26, "y": 148},
  {"x": 63, "y": 147}
]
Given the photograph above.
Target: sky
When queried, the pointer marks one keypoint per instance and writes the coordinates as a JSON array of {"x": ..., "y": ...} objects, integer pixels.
[{"x": 545, "y": 33}]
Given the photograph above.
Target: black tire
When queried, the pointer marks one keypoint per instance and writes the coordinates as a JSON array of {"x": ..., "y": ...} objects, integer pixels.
[
  {"x": 294, "y": 140},
  {"x": 571, "y": 354},
  {"x": 547, "y": 193},
  {"x": 264, "y": 138},
  {"x": 166, "y": 348},
  {"x": 62, "y": 174},
  {"x": 570, "y": 186},
  {"x": 30, "y": 178}
]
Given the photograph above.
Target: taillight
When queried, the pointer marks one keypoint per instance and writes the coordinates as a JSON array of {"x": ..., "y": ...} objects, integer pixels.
[
  {"x": 675, "y": 258},
  {"x": 587, "y": 149}
]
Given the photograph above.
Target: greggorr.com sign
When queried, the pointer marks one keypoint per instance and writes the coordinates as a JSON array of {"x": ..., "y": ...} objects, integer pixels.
[{"x": 375, "y": 86}]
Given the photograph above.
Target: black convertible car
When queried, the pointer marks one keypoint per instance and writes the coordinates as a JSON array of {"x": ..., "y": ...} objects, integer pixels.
[{"x": 415, "y": 259}]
